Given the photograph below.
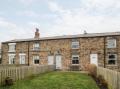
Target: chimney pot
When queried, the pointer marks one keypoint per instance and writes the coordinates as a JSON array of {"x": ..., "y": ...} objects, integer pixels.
[{"x": 37, "y": 34}]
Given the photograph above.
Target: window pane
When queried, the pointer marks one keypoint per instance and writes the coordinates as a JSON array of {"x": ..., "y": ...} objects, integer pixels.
[
  {"x": 75, "y": 61},
  {"x": 75, "y": 44},
  {"x": 36, "y": 46},
  {"x": 11, "y": 47},
  {"x": 36, "y": 61},
  {"x": 111, "y": 43},
  {"x": 112, "y": 58},
  {"x": 111, "y": 62}
]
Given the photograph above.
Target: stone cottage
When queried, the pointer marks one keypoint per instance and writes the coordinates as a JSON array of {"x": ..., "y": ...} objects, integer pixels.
[{"x": 68, "y": 52}]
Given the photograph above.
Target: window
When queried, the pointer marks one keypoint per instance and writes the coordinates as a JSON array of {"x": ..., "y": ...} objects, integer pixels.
[
  {"x": 12, "y": 47},
  {"x": 35, "y": 59},
  {"x": 112, "y": 59},
  {"x": 22, "y": 58},
  {"x": 75, "y": 59},
  {"x": 11, "y": 58},
  {"x": 75, "y": 44},
  {"x": 111, "y": 43},
  {"x": 36, "y": 46}
]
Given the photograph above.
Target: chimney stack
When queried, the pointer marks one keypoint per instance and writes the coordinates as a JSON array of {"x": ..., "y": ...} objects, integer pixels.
[{"x": 37, "y": 34}]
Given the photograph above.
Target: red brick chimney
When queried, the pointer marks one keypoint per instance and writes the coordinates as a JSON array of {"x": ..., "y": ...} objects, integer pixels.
[{"x": 37, "y": 34}]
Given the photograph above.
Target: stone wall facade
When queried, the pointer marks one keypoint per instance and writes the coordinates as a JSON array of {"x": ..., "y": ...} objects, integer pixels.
[{"x": 87, "y": 46}]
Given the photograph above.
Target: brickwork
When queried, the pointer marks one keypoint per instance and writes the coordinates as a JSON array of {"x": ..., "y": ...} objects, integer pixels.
[{"x": 88, "y": 45}]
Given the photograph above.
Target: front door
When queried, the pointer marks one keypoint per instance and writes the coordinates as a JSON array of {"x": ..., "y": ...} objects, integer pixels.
[
  {"x": 94, "y": 59},
  {"x": 58, "y": 62},
  {"x": 50, "y": 60},
  {"x": 22, "y": 58}
]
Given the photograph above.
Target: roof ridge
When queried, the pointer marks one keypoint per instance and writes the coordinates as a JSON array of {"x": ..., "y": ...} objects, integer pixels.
[{"x": 67, "y": 36}]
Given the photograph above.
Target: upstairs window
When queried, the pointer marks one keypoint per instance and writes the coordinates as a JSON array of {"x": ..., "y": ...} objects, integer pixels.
[
  {"x": 75, "y": 59},
  {"x": 111, "y": 43},
  {"x": 112, "y": 59},
  {"x": 12, "y": 47},
  {"x": 35, "y": 59},
  {"x": 75, "y": 44},
  {"x": 36, "y": 46}
]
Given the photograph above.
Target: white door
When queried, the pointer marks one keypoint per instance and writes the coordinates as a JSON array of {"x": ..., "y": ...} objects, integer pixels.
[
  {"x": 22, "y": 58},
  {"x": 58, "y": 62},
  {"x": 50, "y": 60},
  {"x": 94, "y": 59}
]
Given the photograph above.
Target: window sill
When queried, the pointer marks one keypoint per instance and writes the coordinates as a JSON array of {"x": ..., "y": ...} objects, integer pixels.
[
  {"x": 111, "y": 65},
  {"x": 36, "y": 64},
  {"x": 11, "y": 51},
  {"x": 111, "y": 47},
  {"x": 36, "y": 50},
  {"x": 75, "y": 48},
  {"x": 75, "y": 64}
]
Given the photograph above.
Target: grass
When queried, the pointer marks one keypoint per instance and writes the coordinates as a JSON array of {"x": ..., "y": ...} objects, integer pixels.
[{"x": 56, "y": 80}]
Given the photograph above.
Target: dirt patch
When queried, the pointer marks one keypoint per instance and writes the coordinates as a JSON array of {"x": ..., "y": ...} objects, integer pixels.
[{"x": 102, "y": 84}]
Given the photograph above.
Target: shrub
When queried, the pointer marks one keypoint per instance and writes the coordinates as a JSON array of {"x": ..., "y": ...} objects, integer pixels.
[
  {"x": 8, "y": 81},
  {"x": 102, "y": 81},
  {"x": 92, "y": 70}
]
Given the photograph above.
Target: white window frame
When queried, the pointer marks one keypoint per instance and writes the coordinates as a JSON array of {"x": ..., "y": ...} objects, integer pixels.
[
  {"x": 111, "y": 43},
  {"x": 36, "y": 46},
  {"x": 11, "y": 58},
  {"x": 35, "y": 58},
  {"x": 75, "y": 45},
  {"x": 75, "y": 59},
  {"x": 11, "y": 47},
  {"x": 112, "y": 59},
  {"x": 22, "y": 55}
]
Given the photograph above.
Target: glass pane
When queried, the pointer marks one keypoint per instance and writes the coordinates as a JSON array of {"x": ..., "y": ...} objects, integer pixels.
[{"x": 111, "y": 62}]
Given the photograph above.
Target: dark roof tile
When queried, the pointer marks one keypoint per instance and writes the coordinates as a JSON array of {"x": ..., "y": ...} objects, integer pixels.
[{"x": 67, "y": 36}]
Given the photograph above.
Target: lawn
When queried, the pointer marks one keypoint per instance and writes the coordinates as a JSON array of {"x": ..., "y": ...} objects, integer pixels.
[{"x": 56, "y": 80}]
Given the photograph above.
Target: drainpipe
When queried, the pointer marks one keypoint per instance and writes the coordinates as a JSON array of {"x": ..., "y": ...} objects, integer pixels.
[
  {"x": 104, "y": 52},
  {"x": 28, "y": 52}
]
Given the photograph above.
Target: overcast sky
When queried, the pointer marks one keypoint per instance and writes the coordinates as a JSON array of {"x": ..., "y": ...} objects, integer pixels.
[{"x": 19, "y": 18}]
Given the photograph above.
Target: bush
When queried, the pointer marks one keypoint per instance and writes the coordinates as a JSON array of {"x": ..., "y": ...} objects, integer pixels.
[
  {"x": 92, "y": 70},
  {"x": 102, "y": 81},
  {"x": 8, "y": 81}
]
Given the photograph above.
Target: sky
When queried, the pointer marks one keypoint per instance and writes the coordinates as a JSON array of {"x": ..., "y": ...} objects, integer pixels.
[{"x": 19, "y": 18}]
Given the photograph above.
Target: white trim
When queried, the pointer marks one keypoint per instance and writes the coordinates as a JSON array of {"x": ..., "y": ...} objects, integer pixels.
[
  {"x": 12, "y": 44},
  {"x": 11, "y": 51},
  {"x": 22, "y": 54},
  {"x": 11, "y": 54},
  {"x": 75, "y": 56}
]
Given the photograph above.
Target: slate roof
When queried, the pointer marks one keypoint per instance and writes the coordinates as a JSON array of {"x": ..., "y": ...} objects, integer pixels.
[{"x": 67, "y": 37}]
